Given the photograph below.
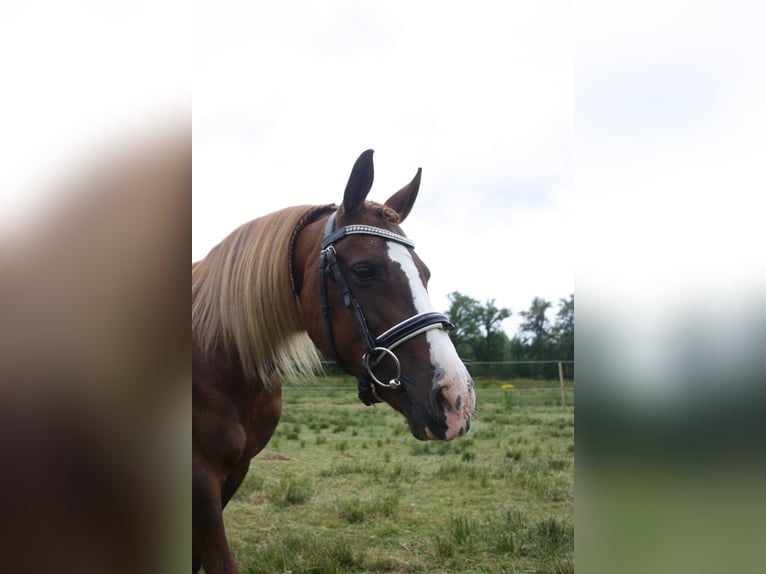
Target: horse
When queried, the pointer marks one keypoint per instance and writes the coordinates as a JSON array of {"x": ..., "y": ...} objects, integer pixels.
[{"x": 341, "y": 279}]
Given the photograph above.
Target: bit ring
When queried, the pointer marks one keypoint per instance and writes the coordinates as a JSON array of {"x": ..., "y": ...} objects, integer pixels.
[{"x": 394, "y": 383}]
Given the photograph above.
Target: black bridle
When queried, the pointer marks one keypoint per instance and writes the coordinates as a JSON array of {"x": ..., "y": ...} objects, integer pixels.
[{"x": 376, "y": 348}]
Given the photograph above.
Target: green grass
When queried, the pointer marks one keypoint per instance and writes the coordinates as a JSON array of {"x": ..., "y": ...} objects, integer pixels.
[{"x": 346, "y": 488}]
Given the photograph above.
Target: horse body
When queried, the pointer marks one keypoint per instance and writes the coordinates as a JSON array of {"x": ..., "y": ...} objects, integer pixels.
[
  {"x": 232, "y": 421},
  {"x": 259, "y": 306}
]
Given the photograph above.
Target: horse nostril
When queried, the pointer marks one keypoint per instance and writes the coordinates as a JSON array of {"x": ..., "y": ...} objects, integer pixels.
[
  {"x": 436, "y": 396},
  {"x": 442, "y": 398}
]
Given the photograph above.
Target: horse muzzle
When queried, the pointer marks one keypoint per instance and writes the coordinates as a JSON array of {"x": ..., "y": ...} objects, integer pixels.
[
  {"x": 448, "y": 413},
  {"x": 454, "y": 402}
]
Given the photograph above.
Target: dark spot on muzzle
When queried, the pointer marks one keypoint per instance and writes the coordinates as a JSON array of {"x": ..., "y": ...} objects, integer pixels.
[{"x": 458, "y": 402}]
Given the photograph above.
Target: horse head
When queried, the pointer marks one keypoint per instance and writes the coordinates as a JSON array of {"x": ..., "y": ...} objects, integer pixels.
[{"x": 365, "y": 304}]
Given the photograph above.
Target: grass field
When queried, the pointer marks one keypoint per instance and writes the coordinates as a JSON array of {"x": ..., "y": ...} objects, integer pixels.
[{"x": 346, "y": 488}]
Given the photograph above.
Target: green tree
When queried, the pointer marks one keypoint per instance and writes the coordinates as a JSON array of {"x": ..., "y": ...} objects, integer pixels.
[
  {"x": 463, "y": 313},
  {"x": 494, "y": 344},
  {"x": 535, "y": 330},
  {"x": 563, "y": 329},
  {"x": 478, "y": 333}
]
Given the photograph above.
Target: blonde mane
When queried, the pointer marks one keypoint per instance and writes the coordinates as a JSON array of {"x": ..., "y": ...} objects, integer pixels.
[{"x": 243, "y": 298}]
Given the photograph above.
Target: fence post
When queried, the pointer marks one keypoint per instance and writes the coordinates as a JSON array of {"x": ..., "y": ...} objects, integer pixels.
[{"x": 563, "y": 389}]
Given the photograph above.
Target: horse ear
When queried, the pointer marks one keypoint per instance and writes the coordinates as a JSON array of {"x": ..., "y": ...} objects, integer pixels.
[
  {"x": 403, "y": 200},
  {"x": 359, "y": 183}
]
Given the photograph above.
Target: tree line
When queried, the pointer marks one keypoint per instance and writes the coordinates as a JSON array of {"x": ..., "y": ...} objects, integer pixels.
[{"x": 479, "y": 337}]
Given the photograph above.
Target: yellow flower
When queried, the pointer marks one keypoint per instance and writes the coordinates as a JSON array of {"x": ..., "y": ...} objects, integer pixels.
[{"x": 507, "y": 386}]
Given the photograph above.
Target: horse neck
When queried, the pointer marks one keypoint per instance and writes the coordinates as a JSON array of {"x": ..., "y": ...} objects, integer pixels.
[{"x": 243, "y": 297}]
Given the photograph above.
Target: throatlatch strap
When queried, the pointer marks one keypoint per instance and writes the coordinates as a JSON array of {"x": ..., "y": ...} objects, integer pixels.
[{"x": 323, "y": 271}]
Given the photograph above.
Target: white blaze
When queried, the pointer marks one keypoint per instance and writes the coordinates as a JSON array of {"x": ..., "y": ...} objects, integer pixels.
[{"x": 456, "y": 384}]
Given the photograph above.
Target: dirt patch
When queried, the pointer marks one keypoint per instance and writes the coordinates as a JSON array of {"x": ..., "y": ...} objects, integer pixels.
[{"x": 274, "y": 456}]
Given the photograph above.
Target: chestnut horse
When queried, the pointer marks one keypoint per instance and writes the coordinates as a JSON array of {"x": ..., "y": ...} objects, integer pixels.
[{"x": 345, "y": 280}]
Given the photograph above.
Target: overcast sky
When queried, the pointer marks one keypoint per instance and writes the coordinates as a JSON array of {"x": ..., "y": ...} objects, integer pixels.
[
  {"x": 287, "y": 94},
  {"x": 666, "y": 157}
]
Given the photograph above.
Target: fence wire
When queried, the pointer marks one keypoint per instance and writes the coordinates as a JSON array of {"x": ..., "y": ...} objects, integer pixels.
[{"x": 501, "y": 370}]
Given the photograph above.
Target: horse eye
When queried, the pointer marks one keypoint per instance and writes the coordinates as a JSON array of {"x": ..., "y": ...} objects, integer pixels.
[{"x": 363, "y": 272}]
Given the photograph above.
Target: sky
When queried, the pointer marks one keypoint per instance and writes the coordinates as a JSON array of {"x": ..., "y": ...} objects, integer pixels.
[
  {"x": 599, "y": 137},
  {"x": 669, "y": 155},
  {"x": 80, "y": 75},
  {"x": 287, "y": 95}
]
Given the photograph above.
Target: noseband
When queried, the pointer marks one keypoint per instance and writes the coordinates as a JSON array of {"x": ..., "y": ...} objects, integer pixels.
[{"x": 376, "y": 348}]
